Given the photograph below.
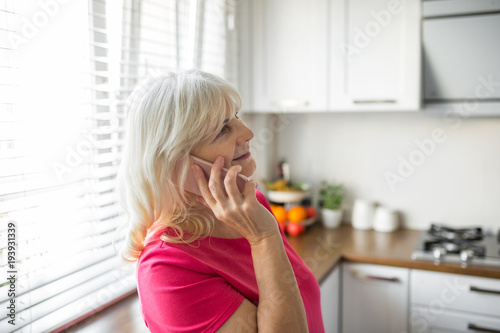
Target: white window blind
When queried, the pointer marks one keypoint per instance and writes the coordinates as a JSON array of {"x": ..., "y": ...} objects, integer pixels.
[
  {"x": 175, "y": 35},
  {"x": 57, "y": 175},
  {"x": 66, "y": 71},
  {"x": 217, "y": 42}
]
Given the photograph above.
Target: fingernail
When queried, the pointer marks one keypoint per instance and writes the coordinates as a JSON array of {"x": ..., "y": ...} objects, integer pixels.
[
  {"x": 239, "y": 168},
  {"x": 220, "y": 159}
]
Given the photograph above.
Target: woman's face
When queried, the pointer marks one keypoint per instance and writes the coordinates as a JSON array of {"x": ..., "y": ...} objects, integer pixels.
[{"x": 231, "y": 141}]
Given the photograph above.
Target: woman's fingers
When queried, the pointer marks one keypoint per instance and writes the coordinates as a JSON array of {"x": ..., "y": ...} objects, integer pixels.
[
  {"x": 230, "y": 183},
  {"x": 221, "y": 194},
  {"x": 249, "y": 190},
  {"x": 215, "y": 182}
]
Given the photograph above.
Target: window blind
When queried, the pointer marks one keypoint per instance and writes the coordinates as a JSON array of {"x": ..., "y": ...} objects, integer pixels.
[
  {"x": 66, "y": 72},
  {"x": 60, "y": 142},
  {"x": 217, "y": 39},
  {"x": 175, "y": 35}
]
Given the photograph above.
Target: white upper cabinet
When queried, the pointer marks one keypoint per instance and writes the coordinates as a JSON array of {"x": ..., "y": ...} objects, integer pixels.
[
  {"x": 375, "y": 55},
  {"x": 330, "y": 55},
  {"x": 289, "y": 39}
]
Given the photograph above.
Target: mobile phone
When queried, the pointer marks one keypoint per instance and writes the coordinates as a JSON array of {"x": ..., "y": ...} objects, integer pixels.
[{"x": 192, "y": 186}]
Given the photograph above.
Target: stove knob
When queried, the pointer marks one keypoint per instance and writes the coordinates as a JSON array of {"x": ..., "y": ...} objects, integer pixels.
[
  {"x": 438, "y": 252},
  {"x": 466, "y": 255}
]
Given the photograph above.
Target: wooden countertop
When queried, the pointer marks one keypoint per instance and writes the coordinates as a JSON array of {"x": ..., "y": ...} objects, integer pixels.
[{"x": 322, "y": 249}]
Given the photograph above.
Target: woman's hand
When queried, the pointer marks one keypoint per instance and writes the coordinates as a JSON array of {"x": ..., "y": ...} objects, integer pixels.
[
  {"x": 244, "y": 213},
  {"x": 240, "y": 211}
]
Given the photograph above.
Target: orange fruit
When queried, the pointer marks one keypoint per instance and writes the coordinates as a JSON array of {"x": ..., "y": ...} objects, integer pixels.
[
  {"x": 297, "y": 214},
  {"x": 279, "y": 213}
]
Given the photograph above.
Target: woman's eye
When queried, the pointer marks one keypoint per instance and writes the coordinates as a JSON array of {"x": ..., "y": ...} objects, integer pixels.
[
  {"x": 223, "y": 130},
  {"x": 226, "y": 127}
]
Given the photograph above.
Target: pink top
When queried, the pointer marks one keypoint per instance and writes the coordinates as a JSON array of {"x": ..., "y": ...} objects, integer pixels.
[{"x": 197, "y": 287}]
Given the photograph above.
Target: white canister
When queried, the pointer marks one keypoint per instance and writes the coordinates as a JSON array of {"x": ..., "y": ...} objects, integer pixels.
[
  {"x": 362, "y": 214},
  {"x": 385, "y": 220}
]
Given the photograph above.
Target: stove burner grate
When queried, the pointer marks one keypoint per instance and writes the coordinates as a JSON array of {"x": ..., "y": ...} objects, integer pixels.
[
  {"x": 454, "y": 246},
  {"x": 466, "y": 234}
]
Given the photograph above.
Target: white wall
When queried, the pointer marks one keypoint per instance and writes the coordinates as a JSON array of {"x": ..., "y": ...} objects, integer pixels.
[{"x": 458, "y": 183}]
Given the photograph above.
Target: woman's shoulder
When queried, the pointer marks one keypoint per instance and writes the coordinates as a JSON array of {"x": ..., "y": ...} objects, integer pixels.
[{"x": 160, "y": 255}]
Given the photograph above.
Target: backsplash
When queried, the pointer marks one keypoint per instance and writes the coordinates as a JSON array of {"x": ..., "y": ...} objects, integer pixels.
[{"x": 428, "y": 168}]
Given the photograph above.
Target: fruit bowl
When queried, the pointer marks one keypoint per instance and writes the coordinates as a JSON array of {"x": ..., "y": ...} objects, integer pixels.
[
  {"x": 282, "y": 191},
  {"x": 309, "y": 221},
  {"x": 286, "y": 196}
]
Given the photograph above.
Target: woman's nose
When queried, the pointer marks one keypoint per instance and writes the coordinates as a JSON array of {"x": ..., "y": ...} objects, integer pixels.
[{"x": 246, "y": 135}]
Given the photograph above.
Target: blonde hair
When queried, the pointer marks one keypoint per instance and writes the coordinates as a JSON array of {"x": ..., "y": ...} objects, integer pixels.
[{"x": 167, "y": 116}]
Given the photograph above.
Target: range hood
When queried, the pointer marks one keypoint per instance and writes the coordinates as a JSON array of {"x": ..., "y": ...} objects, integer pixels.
[{"x": 461, "y": 58}]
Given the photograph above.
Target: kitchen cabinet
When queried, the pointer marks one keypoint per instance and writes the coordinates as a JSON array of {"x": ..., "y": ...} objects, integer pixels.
[
  {"x": 374, "y": 298},
  {"x": 288, "y": 45},
  {"x": 375, "y": 54},
  {"x": 443, "y": 302},
  {"x": 330, "y": 301},
  {"x": 330, "y": 55}
]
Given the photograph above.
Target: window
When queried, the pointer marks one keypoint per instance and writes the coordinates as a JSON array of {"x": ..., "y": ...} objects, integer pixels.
[{"x": 66, "y": 70}]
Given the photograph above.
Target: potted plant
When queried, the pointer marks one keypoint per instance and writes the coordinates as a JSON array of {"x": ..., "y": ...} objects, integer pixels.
[{"x": 331, "y": 197}]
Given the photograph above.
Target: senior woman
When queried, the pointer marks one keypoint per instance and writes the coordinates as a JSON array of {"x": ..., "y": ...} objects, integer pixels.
[{"x": 215, "y": 262}]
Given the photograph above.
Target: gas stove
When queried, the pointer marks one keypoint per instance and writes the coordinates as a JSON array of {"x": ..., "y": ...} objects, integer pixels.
[{"x": 467, "y": 246}]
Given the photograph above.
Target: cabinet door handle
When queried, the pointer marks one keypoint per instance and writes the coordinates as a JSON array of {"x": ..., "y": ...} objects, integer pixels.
[
  {"x": 487, "y": 291},
  {"x": 375, "y": 277},
  {"x": 476, "y": 328},
  {"x": 289, "y": 103},
  {"x": 374, "y": 101}
]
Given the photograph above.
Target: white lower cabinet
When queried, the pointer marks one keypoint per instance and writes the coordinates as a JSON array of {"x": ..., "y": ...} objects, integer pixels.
[
  {"x": 374, "y": 298},
  {"x": 442, "y": 302},
  {"x": 426, "y": 320},
  {"x": 359, "y": 298},
  {"x": 330, "y": 301}
]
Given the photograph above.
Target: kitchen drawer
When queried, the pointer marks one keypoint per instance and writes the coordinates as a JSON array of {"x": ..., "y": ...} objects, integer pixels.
[
  {"x": 374, "y": 298},
  {"x": 435, "y": 290},
  {"x": 424, "y": 320}
]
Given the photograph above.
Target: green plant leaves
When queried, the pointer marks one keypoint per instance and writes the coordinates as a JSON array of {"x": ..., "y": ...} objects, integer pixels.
[{"x": 331, "y": 195}]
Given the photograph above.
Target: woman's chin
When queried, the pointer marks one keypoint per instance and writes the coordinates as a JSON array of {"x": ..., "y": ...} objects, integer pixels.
[{"x": 249, "y": 168}]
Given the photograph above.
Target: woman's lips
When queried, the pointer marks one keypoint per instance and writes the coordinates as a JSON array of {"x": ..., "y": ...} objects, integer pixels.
[{"x": 242, "y": 157}]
